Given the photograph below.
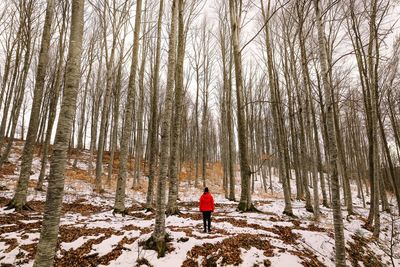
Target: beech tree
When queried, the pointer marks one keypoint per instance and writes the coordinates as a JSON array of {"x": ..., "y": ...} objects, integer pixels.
[
  {"x": 340, "y": 248},
  {"x": 245, "y": 203},
  {"x": 19, "y": 200},
  {"x": 48, "y": 237},
  {"x": 308, "y": 90},
  {"x": 158, "y": 237},
  {"x": 119, "y": 205}
]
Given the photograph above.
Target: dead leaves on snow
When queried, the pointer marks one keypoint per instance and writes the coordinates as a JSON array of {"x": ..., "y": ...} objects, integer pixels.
[
  {"x": 308, "y": 258},
  {"x": 7, "y": 169},
  {"x": 82, "y": 256},
  {"x": 285, "y": 233},
  {"x": 228, "y": 251},
  {"x": 359, "y": 252}
]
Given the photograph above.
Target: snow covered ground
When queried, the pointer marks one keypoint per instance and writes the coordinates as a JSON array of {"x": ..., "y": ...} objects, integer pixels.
[{"x": 90, "y": 235}]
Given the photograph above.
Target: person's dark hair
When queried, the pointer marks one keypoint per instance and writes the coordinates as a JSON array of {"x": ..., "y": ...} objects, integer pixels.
[{"x": 206, "y": 190}]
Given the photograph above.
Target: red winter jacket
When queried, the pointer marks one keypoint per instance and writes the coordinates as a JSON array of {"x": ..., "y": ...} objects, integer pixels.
[{"x": 206, "y": 202}]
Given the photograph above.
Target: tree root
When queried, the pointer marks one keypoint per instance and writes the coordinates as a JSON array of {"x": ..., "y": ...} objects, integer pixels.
[
  {"x": 172, "y": 211},
  {"x": 158, "y": 244},
  {"x": 290, "y": 214},
  {"x": 353, "y": 213},
  {"x": 309, "y": 209},
  {"x": 149, "y": 209},
  {"x": 40, "y": 189},
  {"x": 18, "y": 207},
  {"x": 99, "y": 191},
  {"x": 119, "y": 211},
  {"x": 326, "y": 205},
  {"x": 243, "y": 208}
]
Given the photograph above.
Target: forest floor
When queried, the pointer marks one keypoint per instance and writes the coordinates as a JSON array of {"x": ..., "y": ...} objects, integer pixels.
[{"x": 90, "y": 235}]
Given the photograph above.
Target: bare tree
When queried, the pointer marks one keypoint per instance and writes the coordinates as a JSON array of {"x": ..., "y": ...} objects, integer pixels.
[
  {"x": 19, "y": 200},
  {"x": 245, "y": 203},
  {"x": 157, "y": 240},
  {"x": 119, "y": 205},
  {"x": 340, "y": 248},
  {"x": 48, "y": 237},
  {"x": 153, "y": 115}
]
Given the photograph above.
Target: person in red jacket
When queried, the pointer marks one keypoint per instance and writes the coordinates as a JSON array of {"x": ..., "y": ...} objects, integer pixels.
[{"x": 206, "y": 207}]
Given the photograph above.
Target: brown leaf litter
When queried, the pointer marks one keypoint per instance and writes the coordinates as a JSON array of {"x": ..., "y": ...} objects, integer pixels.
[{"x": 227, "y": 250}]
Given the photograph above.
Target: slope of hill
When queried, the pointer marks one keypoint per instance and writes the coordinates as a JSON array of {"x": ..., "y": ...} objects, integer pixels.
[{"x": 90, "y": 235}]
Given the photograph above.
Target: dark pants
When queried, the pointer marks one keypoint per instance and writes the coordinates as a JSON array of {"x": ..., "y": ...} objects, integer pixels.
[{"x": 207, "y": 218}]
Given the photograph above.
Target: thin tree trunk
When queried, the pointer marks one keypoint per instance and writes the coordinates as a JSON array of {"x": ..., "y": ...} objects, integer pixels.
[
  {"x": 19, "y": 200},
  {"x": 106, "y": 104},
  {"x": 117, "y": 96},
  {"x": 277, "y": 115},
  {"x": 153, "y": 116},
  {"x": 340, "y": 248},
  {"x": 119, "y": 205},
  {"x": 55, "y": 93},
  {"x": 139, "y": 119}
]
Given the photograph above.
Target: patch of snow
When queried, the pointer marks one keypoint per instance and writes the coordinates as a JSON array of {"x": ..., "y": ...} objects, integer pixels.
[
  {"x": 78, "y": 242},
  {"x": 252, "y": 257},
  {"x": 285, "y": 260},
  {"x": 106, "y": 246}
]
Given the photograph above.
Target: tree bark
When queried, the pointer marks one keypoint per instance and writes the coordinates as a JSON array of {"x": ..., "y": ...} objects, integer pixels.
[
  {"x": 19, "y": 200},
  {"x": 158, "y": 237},
  {"x": 245, "y": 203},
  {"x": 48, "y": 237},
  {"x": 340, "y": 248},
  {"x": 55, "y": 93},
  {"x": 119, "y": 205},
  {"x": 153, "y": 116},
  {"x": 172, "y": 207}
]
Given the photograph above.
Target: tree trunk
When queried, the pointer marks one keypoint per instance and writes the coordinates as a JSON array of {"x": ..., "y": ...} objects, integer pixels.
[
  {"x": 278, "y": 119},
  {"x": 106, "y": 102},
  {"x": 54, "y": 95},
  {"x": 172, "y": 207},
  {"x": 19, "y": 200},
  {"x": 245, "y": 203},
  {"x": 46, "y": 248},
  {"x": 119, "y": 205},
  {"x": 117, "y": 96},
  {"x": 153, "y": 116},
  {"x": 158, "y": 238},
  {"x": 340, "y": 248}
]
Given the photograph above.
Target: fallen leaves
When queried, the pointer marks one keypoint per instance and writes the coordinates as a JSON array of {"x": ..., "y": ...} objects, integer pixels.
[
  {"x": 11, "y": 243},
  {"x": 78, "y": 174},
  {"x": 69, "y": 234},
  {"x": 308, "y": 258},
  {"x": 81, "y": 256},
  {"x": 4, "y": 201},
  {"x": 18, "y": 222},
  {"x": 359, "y": 251},
  {"x": 83, "y": 208},
  {"x": 285, "y": 233},
  {"x": 131, "y": 227},
  {"x": 228, "y": 251},
  {"x": 143, "y": 261},
  {"x": 7, "y": 169},
  {"x": 31, "y": 249}
]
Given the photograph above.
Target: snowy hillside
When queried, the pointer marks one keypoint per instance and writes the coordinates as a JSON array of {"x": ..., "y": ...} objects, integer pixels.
[{"x": 90, "y": 235}]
